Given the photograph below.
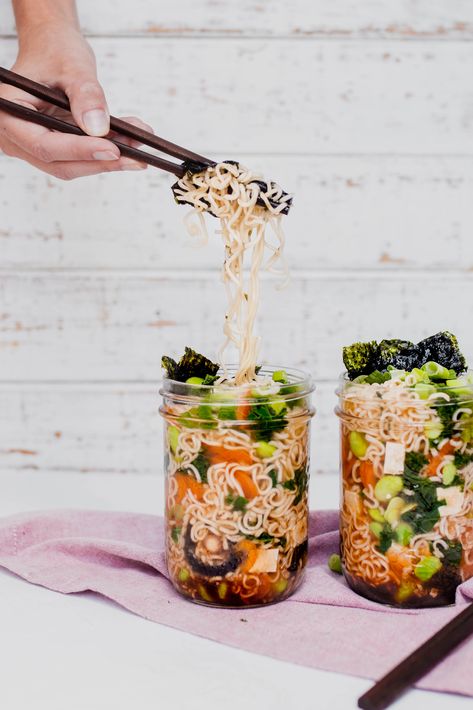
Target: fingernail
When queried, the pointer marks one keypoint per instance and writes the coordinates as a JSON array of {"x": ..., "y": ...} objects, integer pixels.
[
  {"x": 96, "y": 122},
  {"x": 133, "y": 165},
  {"x": 105, "y": 155}
]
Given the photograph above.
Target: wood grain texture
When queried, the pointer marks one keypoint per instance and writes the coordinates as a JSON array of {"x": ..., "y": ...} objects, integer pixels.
[
  {"x": 362, "y": 109},
  {"x": 111, "y": 428},
  {"x": 373, "y": 212},
  {"x": 289, "y": 97},
  {"x": 116, "y": 327},
  {"x": 413, "y": 19}
]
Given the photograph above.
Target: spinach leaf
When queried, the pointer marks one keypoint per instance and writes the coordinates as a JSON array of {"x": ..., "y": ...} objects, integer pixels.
[
  {"x": 267, "y": 419},
  {"x": 461, "y": 460},
  {"x": 415, "y": 461},
  {"x": 202, "y": 463},
  {"x": 386, "y": 538},
  {"x": 424, "y": 516},
  {"x": 274, "y": 477},
  {"x": 237, "y": 502},
  {"x": 453, "y": 553}
]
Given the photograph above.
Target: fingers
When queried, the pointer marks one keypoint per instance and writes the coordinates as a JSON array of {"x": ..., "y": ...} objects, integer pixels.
[
  {"x": 88, "y": 104},
  {"x": 47, "y": 146},
  {"x": 69, "y": 170}
]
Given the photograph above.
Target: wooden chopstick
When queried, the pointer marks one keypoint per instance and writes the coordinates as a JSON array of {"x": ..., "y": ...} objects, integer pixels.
[
  {"x": 58, "y": 98},
  {"x": 420, "y": 662},
  {"x": 55, "y": 124}
]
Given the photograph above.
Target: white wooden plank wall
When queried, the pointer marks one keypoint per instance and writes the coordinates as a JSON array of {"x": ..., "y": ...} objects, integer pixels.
[{"x": 363, "y": 109}]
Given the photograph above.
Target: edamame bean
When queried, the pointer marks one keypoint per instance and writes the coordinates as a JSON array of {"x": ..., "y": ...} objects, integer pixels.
[
  {"x": 388, "y": 487},
  {"x": 335, "y": 563},
  {"x": 358, "y": 444},
  {"x": 449, "y": 472}
]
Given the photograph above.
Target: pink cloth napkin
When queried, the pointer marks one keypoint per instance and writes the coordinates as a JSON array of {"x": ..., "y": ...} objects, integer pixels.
[{"x": 324, "y": 625}]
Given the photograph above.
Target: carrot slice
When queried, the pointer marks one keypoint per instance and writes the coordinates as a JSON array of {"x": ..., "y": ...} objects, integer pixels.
[
  {"x": 436, "y": 460},
  {"x": 251, "y": 553},
  {"x": 219, "y": 454},
  {"x": 247, "y": 484},
  {"x": 242, "y": 412},
  {"x": 367, "y": 474},
  {"x": 187, "y": 483}
]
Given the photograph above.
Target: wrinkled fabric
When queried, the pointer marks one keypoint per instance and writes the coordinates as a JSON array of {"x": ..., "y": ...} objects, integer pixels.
[{"x": 323, "y": 625}]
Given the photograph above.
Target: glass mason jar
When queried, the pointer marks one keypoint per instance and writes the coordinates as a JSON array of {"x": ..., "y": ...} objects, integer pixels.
[
  {"x": 237, "y": 472},
  {"x": 406, "y": 514}
]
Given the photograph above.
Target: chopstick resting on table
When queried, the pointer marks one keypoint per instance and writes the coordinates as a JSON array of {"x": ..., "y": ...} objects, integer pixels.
[
  {"x": 418, "y": 663},
  {"x": 59, "y": 99}
]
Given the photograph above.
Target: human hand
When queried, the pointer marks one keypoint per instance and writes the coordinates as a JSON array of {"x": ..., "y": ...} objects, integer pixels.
[{"x": 59, "y": 56}]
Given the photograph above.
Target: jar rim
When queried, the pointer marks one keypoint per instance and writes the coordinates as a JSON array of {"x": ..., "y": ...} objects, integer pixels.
[
  {"x": 462, "y": 397},
  {"x": 300, "y": 384},
  {"x": 344, "y": 380}
]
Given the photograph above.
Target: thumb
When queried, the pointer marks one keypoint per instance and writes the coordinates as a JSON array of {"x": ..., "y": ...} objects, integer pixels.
[{"x": 89, "y": 105}]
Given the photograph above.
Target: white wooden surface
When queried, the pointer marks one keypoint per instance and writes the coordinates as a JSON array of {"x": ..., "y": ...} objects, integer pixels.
[
  {"x": 363, "y": 109},
  {"x": 417, "y": 19}
]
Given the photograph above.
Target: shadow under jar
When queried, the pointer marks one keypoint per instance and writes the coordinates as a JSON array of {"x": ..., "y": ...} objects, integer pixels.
[
  {"x": 406, "y": 512},
  {"x": 237, "y": 474}
]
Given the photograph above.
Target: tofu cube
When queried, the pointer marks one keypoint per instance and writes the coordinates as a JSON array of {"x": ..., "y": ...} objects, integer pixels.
[{"x": 394, "y": 458}]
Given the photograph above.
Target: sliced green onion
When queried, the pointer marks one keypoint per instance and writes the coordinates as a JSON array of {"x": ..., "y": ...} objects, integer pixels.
[
  {"x": 427, "y": 567},
  {"x": 280, "y": 376},
  {"x": 264, "y": 450},
  {"x": 376, "y": 515},
  {"x": 173, "y": 438},
  {"x": 424, "y": 390},
  {"x": 433, "y": 430},
  {"x": 376, "y": 529},
  {"x": 436, "y": 371}
]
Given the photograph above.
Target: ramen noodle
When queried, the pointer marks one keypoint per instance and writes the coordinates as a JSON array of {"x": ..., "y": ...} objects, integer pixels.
[
  {"x": 237, "y": 469},
  {"x": 249, "y": 210},
  {"x": 407, "y": 484}
]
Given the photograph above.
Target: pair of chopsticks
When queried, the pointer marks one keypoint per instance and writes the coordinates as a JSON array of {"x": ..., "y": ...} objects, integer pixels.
[
  {"x": 420, "y": 662},
  {"x": 190, "y": 160}
]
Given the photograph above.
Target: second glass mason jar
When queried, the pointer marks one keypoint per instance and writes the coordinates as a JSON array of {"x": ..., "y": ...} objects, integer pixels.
[
  {"x": 406, "y": 512},
  {"x": 237, "y": 473}
]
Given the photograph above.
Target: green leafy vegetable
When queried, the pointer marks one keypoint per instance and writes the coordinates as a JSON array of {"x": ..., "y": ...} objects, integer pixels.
[
  {"x": 290, "y": 485},
  {"x": 377, "y": 377},
  {"x": 358, "y": 358},
  {"x": 452, "y": 554},
  {"x": 175, "y": 534},
  {"x": 267, "y": 538},
  {"x": 446, "y": 412},
  {"x": 210, "y": 379},
  {"x": 372, "y": 359},
  {"x": 200, "y": 417},
  {"x": 415, "y": 461},
  {"x": 274, "y": 477},
  {"x": 237, "y": 502},
  {"x": 268, "y": 421},
  {"x": 202, "y": 463},
  {"x": 386, "y": 538},
  {"x": 302, "y": 482},
  {"x": 461, "y": 460},
  {"x": 424, "y": 516},
  {"x": 227, "y": 413},
  {"x": 191, "y": 364}
]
